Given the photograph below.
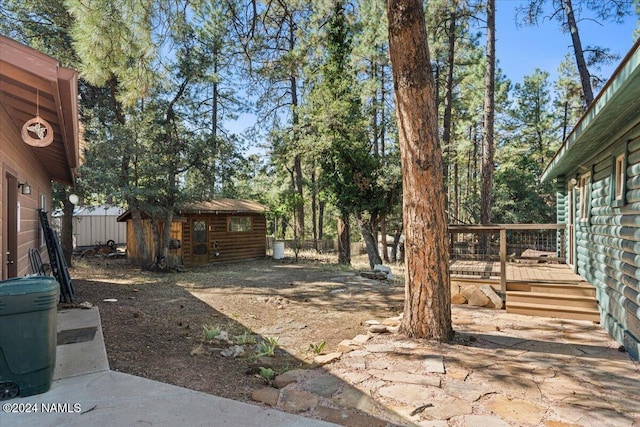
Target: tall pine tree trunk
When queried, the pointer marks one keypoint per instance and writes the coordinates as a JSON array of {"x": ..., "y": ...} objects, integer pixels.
[
  {"x": 66, "y": 234},
  {"x": 489, "y": 114},
  {"x": 427, "y": 309},
  {"x": 344, "y": 240},
  {"x": 585, "y": 78},
  {"x": 369, "y": 235}
]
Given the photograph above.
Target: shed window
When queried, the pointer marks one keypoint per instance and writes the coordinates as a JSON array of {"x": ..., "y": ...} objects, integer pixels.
[
  {"x": 619, "y": 180},
  {"x": 585, "y": 196},
  {"x": 239, "y": 224}
]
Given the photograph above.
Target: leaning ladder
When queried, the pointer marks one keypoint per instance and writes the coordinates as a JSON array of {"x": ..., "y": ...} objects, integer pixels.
[{"x": 56, "y": 258}]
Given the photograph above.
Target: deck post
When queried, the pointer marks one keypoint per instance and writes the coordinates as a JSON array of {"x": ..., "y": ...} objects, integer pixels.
[{"x": 503, "y": 260}]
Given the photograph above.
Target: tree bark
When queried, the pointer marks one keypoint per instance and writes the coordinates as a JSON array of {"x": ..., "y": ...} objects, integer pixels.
[
  {"x": 344, "y": 240},
  {"x": 142, "y": 256},
  {"x": 585, "y": 77},
  {"x": 489, "y": 114},
  {"x": 368, "y": 231},
  {"x": 427, "y": 312},
  {"x": 321, "y": 204}
]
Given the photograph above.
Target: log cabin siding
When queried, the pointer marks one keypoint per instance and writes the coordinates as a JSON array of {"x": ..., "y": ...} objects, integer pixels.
[
  {"x": 608, "y": 242},
  {"x": 224, "y": 245}
]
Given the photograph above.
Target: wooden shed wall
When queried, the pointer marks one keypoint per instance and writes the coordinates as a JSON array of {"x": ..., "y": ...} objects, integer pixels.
[
  {"x": 608, "y": 244},
  {"x": 228, "y": 246},
  {"x": 175, "y": 255}
]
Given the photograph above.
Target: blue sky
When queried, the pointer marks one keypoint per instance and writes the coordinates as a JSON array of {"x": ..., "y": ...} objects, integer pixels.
[{"x": 521, "y": 49}]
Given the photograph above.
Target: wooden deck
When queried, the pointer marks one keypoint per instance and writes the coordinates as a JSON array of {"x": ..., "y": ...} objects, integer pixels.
[
  {"x": 535, "y": 289},
  {"x": 531, "y": 272}
]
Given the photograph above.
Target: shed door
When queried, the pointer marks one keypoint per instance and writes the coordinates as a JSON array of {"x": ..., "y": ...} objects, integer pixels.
[
  {"x": 11, "y": 231},
  {"x": 200, "y": 241}
]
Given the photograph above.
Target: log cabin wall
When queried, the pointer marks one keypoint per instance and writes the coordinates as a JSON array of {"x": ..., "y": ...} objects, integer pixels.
[
  {"x": 224, "y": 244},
  {"x": 608, "y": 239}
]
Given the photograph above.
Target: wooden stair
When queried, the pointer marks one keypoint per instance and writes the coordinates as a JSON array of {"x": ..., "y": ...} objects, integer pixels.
[{"x": 564, "y": 300}]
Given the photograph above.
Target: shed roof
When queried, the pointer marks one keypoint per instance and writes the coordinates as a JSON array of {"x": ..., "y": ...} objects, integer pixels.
[
  {"x": 31, "y": 82},
  {"x": 217, "y": 206},
  {"x": 223, "y": 206},
  {"x": 608, "y": 115}
]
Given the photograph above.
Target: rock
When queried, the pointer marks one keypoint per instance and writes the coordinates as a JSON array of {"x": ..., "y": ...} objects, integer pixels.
[
  {"x": 86, "y": 305},
  {"x": 361, "y": 339},
  {"x": 478, "y": 298},
  {"x": 378, "y": 329},
  {"x": 371, "y": 322},
  {"x": 266, "y": 395},
  {"x": 465, "y": 391},
  {"x": 380, "y": 348},
  {"x": 288, "y": 377},
  {"x": 351, "y": 397},
  {"x": 457, "y": 373},
  {"x": 324, "y": 385},
  {"x": 373, "y": 275},
  {"x": 495, "y": 300},
  {"x": 348, "y": 418},
  {"x": 346, "y": 346},
  {"x": 484, "y": 421},
  {"x": 458, "y": 299},
  {"x": 448, "y": 408},
  {"x": 405, "y": 377},
  {"x": 392, "y": 321},
  {"x": 296, "y": 401},
  {"x": 323, "y": 359},
  {"x": 233, "y": 351},
  {"x": 516, "y": 410},
  {"x": 467, "y": 291},
  {"x": 433, "y": 363},
  {"x": 409, "y": 394},
  {"x": 382, "y": 268}
]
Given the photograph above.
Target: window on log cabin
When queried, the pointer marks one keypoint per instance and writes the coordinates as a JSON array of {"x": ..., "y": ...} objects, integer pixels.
[
  {"x": 585, "y": 196},
  {"x": 618, "y": 180},
  {"x": 239, "y": 224}
]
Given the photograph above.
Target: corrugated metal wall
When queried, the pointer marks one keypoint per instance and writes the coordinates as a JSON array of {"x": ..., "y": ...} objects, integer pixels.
[
  {"x": 608, "y": 244},
  {"x": 90, "y": 230}
]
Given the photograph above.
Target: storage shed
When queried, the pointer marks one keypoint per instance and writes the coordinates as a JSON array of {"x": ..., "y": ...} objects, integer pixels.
[
  {"x": 95, "y": 225},
  {"x": 597, "y": 171},
  {"x": 213, "y": 231}
]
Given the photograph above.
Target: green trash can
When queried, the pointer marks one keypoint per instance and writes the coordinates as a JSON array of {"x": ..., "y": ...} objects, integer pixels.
[{"x": 28, "y": 310}]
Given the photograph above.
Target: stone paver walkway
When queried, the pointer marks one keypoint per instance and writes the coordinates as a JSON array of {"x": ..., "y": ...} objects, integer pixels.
[{"x": 501, "y": 370}]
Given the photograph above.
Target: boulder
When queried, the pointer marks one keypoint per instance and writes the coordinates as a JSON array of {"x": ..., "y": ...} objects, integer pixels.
[
  {"x": 458, "y": 299},
  {"x": 478, "y": 298},
  {"x": 495, "y": 300}
]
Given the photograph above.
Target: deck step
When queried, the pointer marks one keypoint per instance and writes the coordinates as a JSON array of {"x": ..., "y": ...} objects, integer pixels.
[
  {"x": 566, "y": 300},
  {"x": 575, "y": 288},
  {"x": 557, "y": 311}
]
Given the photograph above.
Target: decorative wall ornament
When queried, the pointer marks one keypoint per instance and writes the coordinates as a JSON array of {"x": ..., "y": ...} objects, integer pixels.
[{"x": 37, "y": 132}]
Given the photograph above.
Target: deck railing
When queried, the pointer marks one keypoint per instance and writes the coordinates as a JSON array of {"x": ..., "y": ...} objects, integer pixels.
[{"x": 523, "y": 243}]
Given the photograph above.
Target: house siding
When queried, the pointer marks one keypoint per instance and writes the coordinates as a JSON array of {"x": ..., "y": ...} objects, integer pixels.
[
  {"x": 608, "y": 242},
  {"x": 18, "y": 160}
]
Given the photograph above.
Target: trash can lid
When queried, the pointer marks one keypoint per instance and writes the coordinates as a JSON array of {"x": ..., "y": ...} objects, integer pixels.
[{"x": 28, "y": 285}]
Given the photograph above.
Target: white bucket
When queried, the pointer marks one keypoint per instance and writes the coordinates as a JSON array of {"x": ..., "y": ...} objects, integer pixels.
[{"x": 278, "y": 250}]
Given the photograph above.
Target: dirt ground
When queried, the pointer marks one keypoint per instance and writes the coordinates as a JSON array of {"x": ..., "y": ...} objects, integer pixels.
[{"x": 153, "y": 323}]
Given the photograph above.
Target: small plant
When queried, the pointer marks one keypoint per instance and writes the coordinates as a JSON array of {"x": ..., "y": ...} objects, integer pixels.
[
  {"x": 267, "y": 374},
  {"x": 245, "y": 338},
  {"x": 268, "y": 346},
  {"x": 317, "y": 349},
  {"x": 211, "y": 332}
]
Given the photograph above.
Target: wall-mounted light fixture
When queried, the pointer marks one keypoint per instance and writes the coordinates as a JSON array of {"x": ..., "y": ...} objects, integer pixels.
[
  {"x": 573, "y": 182},
  {"x": 25, "y": 187}
]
